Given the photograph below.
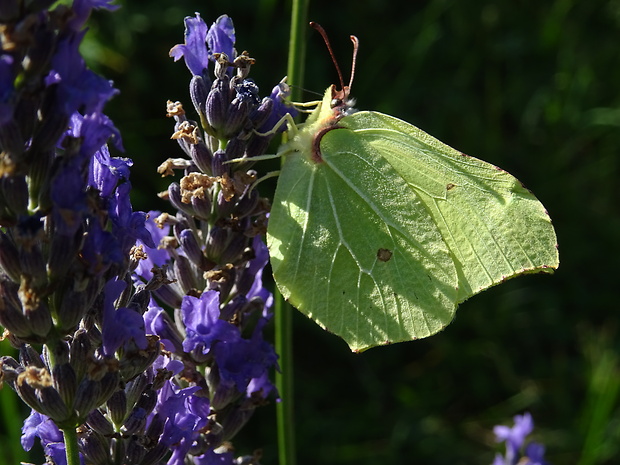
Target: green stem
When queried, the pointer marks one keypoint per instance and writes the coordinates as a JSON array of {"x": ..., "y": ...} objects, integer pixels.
[
  {"x": 297, "y": 47},
  {"x": 283, "y": 311},
  {"x": 284, "y": 382},
  {"x": 71, "y": 446}
]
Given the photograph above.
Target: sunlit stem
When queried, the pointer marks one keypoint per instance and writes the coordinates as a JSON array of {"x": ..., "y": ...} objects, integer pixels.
[
  {"x": 71, "y": 446},
  {"x": 283, "y": 311}
]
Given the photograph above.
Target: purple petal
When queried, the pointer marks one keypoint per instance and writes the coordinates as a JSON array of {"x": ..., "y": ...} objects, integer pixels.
[
  {"x": 221, "y": 37},
  {"x": 194, "y": 50}
]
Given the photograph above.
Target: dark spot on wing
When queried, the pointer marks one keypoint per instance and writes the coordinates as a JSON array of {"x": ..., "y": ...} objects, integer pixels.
[
  {"x": 450, "y": 186},
  {"x": 384, "y": 254}
]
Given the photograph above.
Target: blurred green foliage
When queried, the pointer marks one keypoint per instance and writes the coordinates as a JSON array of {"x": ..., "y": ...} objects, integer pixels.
[{"x": 530, "y": 86}]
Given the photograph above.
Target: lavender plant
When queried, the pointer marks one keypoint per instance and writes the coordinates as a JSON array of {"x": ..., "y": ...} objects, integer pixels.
[{"x": 109, "y": 375}]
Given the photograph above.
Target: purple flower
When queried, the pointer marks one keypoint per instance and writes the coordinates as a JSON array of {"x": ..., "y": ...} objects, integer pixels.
[
  {"x": 158, "y": 322},
  {"x": 78, "y": 87},
  {"x": 68, "y": 195},
  {"x": 156, "y": 257},
  {"x": 38, "y": 425},
  {"x": 7, "y": 76},
  {"x": 202, "y": 323},
  {"x": 194, "y": 49},
  {"x": 201, "y": 43},
  {"x": 535, "y": 453},
  {"x": 127, "y": 225},
  {"x": 515, "y": 439},
  {"x": 254, "y": 269},
  {"x": 83, "y": 8},
  {"x": 213, "y": 458},
  {"x": 239, "y": 361},
  {"x": 106, "y": 171},
  {"x": 177, "y": 407},
  {"x": 280, "y": 107},
  {"x": 121, "y": 325},
  {"x": 95, "y": 130},
  {"x": 100, "y": 249},
  {"x": 52, "y": 440},
  {"x": 221, "y": 37}
]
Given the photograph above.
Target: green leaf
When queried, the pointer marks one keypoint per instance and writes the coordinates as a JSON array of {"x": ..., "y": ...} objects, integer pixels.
[{"x": 382, "y": 231}]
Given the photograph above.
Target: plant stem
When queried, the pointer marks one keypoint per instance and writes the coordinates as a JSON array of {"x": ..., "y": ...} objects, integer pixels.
[
  {"x": 283, "y": 311},
  {"x": 71, "y": 446},
  {"x": 284, "y": 382},
  {"x": 297, "y": 48}
]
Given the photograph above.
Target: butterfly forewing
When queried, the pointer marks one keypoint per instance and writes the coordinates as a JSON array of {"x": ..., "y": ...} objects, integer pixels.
[{"x": 494, "y": 227}]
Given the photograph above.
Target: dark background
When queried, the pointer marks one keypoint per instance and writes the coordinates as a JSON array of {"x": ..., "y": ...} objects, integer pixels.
[{"x": 531, "y": 86}]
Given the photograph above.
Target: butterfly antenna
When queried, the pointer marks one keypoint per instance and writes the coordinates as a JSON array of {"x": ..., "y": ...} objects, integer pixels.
[
  {"x": 356, "y": 46},
  {"x": 319, "y": 28}
]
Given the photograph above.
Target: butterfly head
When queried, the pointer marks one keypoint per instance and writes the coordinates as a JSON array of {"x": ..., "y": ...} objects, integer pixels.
[{"x": 341, "y": 103}]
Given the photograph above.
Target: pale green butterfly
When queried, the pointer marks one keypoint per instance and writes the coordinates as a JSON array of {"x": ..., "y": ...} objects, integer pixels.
[{"x": 378, "y": 230}]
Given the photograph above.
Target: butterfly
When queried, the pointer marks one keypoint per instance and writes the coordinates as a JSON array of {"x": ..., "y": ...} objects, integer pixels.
[{"x": 378, "y": 230}]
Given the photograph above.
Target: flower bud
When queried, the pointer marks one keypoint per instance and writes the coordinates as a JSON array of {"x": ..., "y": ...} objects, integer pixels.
[
  {"x": 135, "y": 450},
  {"x": 33, "y": 265},
  {"x": 14, "y": 191},
  {"x": 189, "y": 243},
  {"x": 135, "y": 421},
  {"x": 65, "y": 381},
  {"x": 136, "y": 387},
  {"x": 155, "y": 428},
  {"x": 117, "y": 407},
  {"x": 218, "y": 166},
  {"x": 137, "y": 360},
  {"x": 63, "y": 251},
  {"x": 235, "y": 149},
  {"x": 235, "y": 418},
  {"x": 95, "y": 448},
  {"x": 246, "y": 205},
  {"x": 11, "y": 315},
  {"x": 217, "y": 103},
  {"x": 52, "y": 405},
  {"x": 174, "y": 195},
  {"x": 201, "y": 156},
  {"x": 237, "y": 242},
  {"x": 9, "y": 257},
  {"x": 169, "y": 295},
  {"x": 38, "y": 318},
  {"x": 80, "y": 352},
  {"x": 109, "y": 385},
  {"x": 99, "y": 423},
  {"x": 202, "y": 207},
  {"x": 87, "y": 396},
  {"x": 155, "y": 454},
  {"x": 222, "y": 393},
  {"x": 11, "y": 139},
  {"x": 147, "y": 401},
  {"x": 257, "y": 145},
  {"x": 198, "y": 91},
  {"x": 260, "y": 114},
  {"x": 71, "y": 308}
]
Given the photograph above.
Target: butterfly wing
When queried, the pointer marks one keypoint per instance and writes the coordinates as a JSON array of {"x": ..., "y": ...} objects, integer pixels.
[
  {"x": 494, "y": 227},
  {"x": 355, "y": 248}
]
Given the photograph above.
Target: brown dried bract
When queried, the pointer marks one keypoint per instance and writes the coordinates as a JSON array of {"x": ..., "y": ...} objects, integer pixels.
[{"x": 174, "y": 109}]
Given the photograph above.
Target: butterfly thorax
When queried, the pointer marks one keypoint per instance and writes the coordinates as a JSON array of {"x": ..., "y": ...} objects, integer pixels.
[{"x": 325, "y": 117}]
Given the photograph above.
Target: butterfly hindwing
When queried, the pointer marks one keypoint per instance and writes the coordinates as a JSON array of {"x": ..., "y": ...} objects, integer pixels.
[{"x": 354, "y": 247}]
